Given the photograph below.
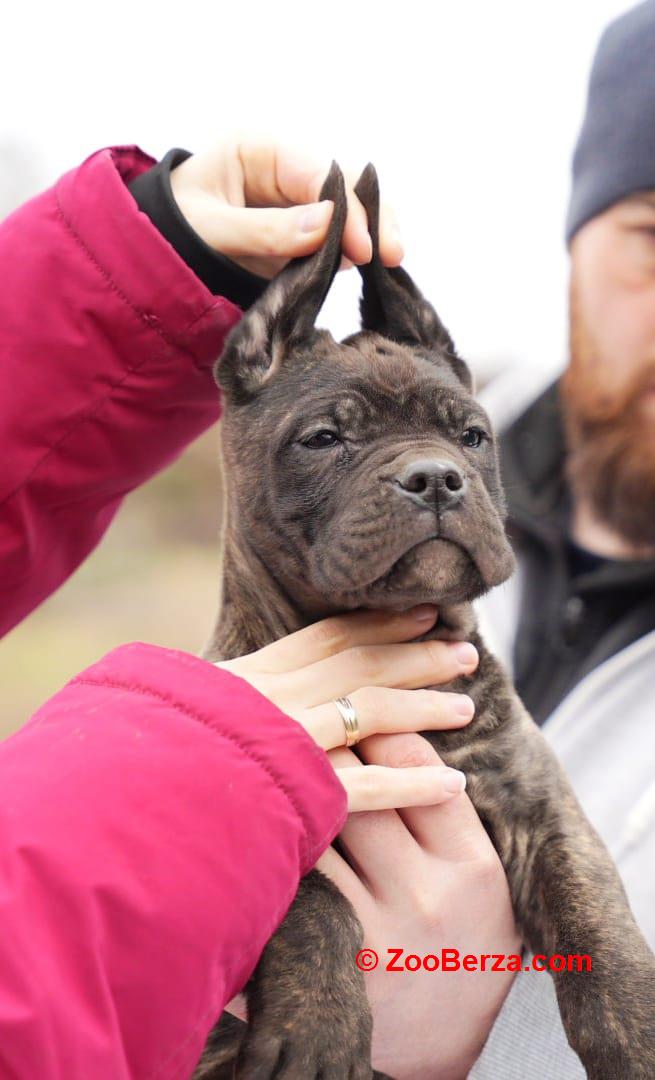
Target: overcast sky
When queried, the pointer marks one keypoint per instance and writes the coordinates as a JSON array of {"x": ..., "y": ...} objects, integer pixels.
[{"x": 469, "y": 111}]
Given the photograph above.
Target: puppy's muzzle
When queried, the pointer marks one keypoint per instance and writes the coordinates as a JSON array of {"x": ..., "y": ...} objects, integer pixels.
[{"x": 435, "y": 482}]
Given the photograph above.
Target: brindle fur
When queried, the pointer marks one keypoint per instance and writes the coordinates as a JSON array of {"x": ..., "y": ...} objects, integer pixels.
[{"x": 310, "y": 533}]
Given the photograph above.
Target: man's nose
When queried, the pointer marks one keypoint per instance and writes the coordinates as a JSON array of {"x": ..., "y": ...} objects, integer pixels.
[{"x": 436, "y": 481}]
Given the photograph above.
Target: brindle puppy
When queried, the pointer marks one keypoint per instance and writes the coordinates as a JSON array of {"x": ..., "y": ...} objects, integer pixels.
[{"x": 365, "y": 474}]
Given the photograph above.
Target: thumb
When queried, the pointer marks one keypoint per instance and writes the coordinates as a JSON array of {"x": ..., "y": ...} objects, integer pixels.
[
  {"x": 284, "y": 233},
  {"x": 452, "y": 831}
]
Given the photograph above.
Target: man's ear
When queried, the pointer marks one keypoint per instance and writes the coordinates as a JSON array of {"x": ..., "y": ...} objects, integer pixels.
[
  {"x": 284, "y": 315},
  {"x": 391, "y": 304}
]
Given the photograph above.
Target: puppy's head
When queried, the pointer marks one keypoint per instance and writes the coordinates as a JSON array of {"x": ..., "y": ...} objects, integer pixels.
[{"x": 363, "y": 473}]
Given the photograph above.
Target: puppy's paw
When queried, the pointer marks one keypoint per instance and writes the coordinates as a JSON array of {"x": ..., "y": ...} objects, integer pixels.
[
  {"x": 220, "y": 1054},
  {"x": 306, "y": 1046}
]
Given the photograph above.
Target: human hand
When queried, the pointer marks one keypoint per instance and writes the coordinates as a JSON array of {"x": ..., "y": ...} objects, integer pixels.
[
  {"x": 358, "y": 655},
  {"x": 421, "y": 879},
  {"x": 254, "y": 199}
]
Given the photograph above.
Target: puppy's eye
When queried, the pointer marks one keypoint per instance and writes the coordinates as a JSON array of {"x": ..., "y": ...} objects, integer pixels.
[
  {"x": 473, "y": 437},
  {"x": 321, "y": 440}
]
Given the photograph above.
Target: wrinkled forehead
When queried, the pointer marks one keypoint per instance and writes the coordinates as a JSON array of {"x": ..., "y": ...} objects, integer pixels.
[{"x": 369, "y": 384}]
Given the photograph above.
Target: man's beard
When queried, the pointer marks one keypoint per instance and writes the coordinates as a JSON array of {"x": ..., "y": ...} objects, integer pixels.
[{"x": 610, "y": 436}]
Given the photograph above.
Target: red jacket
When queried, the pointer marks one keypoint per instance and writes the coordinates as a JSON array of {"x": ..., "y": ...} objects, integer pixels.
[{"x": 157, "y": 813}]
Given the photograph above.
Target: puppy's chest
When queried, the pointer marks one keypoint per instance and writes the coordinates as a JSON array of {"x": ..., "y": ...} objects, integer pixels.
[{"x": 467, "y": 748}]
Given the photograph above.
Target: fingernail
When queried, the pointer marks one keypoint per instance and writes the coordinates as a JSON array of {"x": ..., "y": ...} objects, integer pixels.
[
  {"x": 466, "y": 653},
  {"x": 424, "y": 613},
  {"x": 454, "y": 780},
  {"x": 464, "y": 705},
  {"x": 314, "y": 216}
]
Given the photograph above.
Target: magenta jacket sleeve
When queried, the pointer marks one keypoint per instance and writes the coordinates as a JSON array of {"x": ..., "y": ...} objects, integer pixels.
[
  {"x": 158, "y": 812},
  {"x": 156, "y": 816},
  {"x": 107, "y": 340}
]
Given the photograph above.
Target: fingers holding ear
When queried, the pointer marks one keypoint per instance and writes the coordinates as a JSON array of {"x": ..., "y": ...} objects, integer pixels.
[
  {"x": 391, "y": 245},
  {"x": 357, "y": 244},
  {"x": 275, "y": 176},
  {"x": 356, "y": 237},
  {"x": 298, "y": 178},
  {"x": 270, "y": 233},
  {"x": 302, "y": 179},
  {"x": 281, "y": 176}
]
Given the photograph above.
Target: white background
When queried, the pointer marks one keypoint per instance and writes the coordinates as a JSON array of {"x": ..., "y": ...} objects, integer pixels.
[{"x": 469, "y": 110}]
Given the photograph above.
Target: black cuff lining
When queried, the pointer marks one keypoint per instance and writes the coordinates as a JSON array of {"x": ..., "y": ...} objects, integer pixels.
[{"x": 223, "y": 277}]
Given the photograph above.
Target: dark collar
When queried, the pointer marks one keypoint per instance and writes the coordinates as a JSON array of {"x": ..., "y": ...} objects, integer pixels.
[
  {"x": 532, "y": 458},
  {"x": 532, "y": 454}
]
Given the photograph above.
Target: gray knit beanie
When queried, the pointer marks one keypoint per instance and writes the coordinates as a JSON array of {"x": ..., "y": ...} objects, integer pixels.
[{"x": 615, "y": 152}]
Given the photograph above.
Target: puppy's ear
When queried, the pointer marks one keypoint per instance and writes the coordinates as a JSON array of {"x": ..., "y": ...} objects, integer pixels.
[
  {"x": 391, "y": 303},
  {"x": 284, "y": 315}
]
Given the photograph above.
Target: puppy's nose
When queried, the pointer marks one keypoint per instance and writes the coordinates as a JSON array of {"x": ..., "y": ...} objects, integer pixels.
[{"x": 437, "y": 482}]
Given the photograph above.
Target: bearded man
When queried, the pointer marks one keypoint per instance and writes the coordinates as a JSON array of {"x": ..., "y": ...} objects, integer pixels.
[{"x": 576, "y": 625}]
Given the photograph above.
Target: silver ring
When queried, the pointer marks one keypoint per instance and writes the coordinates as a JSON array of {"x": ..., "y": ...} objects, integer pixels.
[{"x": 349, "y": 717}]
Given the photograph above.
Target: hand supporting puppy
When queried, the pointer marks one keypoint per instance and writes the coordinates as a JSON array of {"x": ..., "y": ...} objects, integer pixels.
[
  {"x": 422, "y": 879},
  {"x": 254, "y": 199},
  {"x": 358, "y": 655},
  {"x": 419, "y": 879}
]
